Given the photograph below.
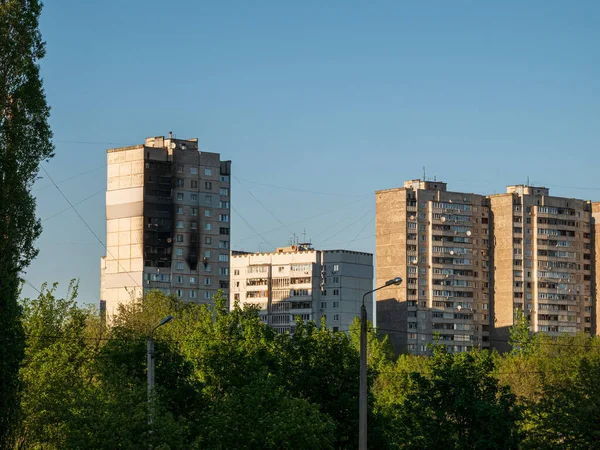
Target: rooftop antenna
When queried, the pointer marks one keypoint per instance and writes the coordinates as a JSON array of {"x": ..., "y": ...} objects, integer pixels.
[
  {"x": 304, "y": 235},
  {"x": 170, "y": 135},
  {"x": 527, "y": 180},
  {"x": 424, "y": 179}
]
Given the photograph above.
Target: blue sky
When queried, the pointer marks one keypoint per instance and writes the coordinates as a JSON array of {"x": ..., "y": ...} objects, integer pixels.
[{"x": 322, "y": 103}]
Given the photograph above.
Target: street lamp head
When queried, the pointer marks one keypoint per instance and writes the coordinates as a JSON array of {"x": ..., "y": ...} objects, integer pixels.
[
  {"x": 395, "y": 281},
  {"x": 165, "y": 320}
]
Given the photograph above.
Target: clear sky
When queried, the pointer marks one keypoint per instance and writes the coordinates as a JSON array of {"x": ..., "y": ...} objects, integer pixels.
[{"x": 318, "y": 104}]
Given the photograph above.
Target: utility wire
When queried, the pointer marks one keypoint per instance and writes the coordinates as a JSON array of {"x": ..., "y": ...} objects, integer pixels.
[
  {"x": 307, "y": 219},
  {"x": 301, "y": 190},
  {"x": 264, "y": 207},
  {"x": 346, "y": 227},
  {"x": 41, "y": 188},
  {"x": 362, "y": 229},
  {"x": 251, "y": 227},
  {"x": 88, "y": 227},
  {"x": 74, "y": 204}
]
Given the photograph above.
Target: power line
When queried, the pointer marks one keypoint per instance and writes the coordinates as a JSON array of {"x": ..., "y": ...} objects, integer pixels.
[
  {"x": 265, "y": 208},
  {"x": 41, "y": 188},
  {"x": 251, "y": 227},
  {"x": 67, "y": 209},
  {"x": 88, "y": 143},
  {"x": 361, "y": 230},
  {"x": 346, "y": 227},
  {"x": 88, "y": 227},
  {"x": 307, "y": 219},
  {"x": 301, "y": 190}
]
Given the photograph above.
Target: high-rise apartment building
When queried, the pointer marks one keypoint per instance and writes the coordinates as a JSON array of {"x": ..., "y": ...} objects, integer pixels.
[
  {"x": 167, "y": 222},
  {"x": 470, "y": 262},
  {"x": 301, "y": 281},
  {"x": 543, "y": 260},
  {"x": 438, "y": 242}
]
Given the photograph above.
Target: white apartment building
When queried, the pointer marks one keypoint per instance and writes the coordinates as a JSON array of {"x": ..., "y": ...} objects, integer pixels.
[
  {"x": 167, "y": 222},
  {"x": 301, "y": 281}
]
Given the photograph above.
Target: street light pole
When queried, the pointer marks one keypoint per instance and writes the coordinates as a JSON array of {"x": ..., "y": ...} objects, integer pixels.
[
  {"x": 362, "y": 413},
  {"x": 150, "y": 362}
]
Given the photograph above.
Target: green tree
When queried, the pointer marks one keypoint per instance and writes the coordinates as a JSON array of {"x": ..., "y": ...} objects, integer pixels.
[
  {"x": 24, "y": 142},
  {"x": 566, "y": 415},
  {"x": 521, "y": 339},
  {"x": 457, "y": 404}
]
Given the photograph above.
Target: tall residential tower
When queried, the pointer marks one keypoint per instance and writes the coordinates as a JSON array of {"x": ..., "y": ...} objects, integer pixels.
[
  {"x": 470, "y": 262},
  {"x": 167, "y": 222},
  {"x": 543, "y": 261},
  {"x": 438, "y": 242}
]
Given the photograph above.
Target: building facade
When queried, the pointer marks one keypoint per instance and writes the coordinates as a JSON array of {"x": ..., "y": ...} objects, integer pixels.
[
  {"x": 301, "y": 281},
  {"x": 167, "y": 222},
  {"x": 543, "y": 259},
  {"x": 470, "y": 262},
  {"x": 439, "y": 243}
]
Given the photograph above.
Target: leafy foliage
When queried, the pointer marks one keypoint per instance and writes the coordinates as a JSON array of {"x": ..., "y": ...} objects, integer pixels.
[
  {"x": 225, "y": 380},
  {"x": 24, "y": 143}
]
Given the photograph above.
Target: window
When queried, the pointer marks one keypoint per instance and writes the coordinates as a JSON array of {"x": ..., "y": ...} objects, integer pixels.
[
  {"x": 179, "y": 265},
  {"x": 323, "y": 305},
  {"x": 179, "y": 279},
  {"x": 208, "y": 172},
  {"x": 192, "y": 280},
  {"x": 179, "y": 238},
  {"x": 180, "y": 196},
  {"x": 224, "y": 178},
  {"x": 194, "y": 197},
  {"x": 223, "y": 284},
  {"x": 207, "y": 295},
  {"x": 207, "y": 254},
  {"x": 207, "y": 240},
  {"x": 223, "y": 257},
  {"x": 223, "y": 204},
  {"x": 324, "y": 293},
  {"x": 336, "y": 292},
  {"x": 179, "y": 292},
  {"x": 180, "y": 224},
  {"x": 194, "y": 211},
  {"x": 224, "y": 191},
  {"x": 208, "y": 226},
  {"x": 336, "y": 317},
  {"x": 194, "y": 170},
  {"x": 336, "y": 280},
  {"x": 207, "y": 268},
  {"x": 208, "y": 199},
  {"x": 194, "y": 225},
  {"x": 180, "y": 168},
  {"x": 336, "y": 267},
  {"x": 223, "y": 230},
  {"x": 223, "y": 244},
  {"x": 336, "y": 305},
  {"x": 180, "y": 210},
  {"x": 208, "y": 185},
  {"x": 192, "y": 294},
  {"x": 223, "y": 217},
  {"x": 223, "y": 271},
  {"x": 194, "y": 184},
  {"x": 179, "y": 251},
  {"x": 236, "y": 272},
  {"x": 179, "y": 182},
  {"x": 207, "y": 213},
  {"x": 207, "y": 282}
]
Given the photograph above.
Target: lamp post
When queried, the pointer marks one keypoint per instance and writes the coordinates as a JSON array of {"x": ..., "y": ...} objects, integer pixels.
[
  {"x": 150, "y": 360},
  {"x": 362, "y": 426}
]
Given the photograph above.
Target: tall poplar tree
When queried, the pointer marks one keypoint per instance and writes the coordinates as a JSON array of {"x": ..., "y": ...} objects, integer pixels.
[{"x": 25, "y": 141}]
